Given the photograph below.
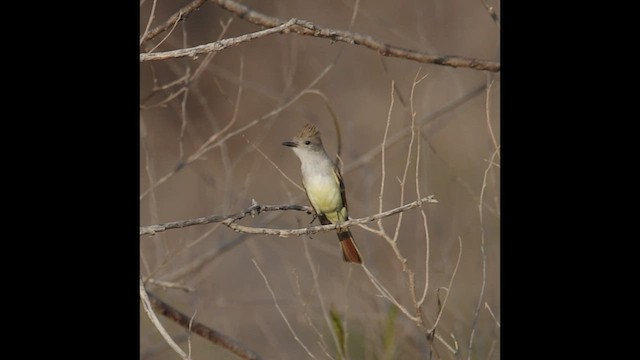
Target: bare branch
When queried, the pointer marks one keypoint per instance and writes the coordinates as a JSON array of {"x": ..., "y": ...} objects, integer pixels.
[
  {"x": 382, "y": 158},
  {"x": 253, "y": 210},
  {"x": 256, "y": 209},
  {"x": 304, "y": 304},
  {"x": 425, "y": 122},
  {"x": 325, "y": 314},
  {"x": 154, "y": 319},
  {"x": 493, "y": 137},
  {"x": 387, "y": 295},
  {"x": 201, "y": 150},
  {"x": 444, "y": 302},
  {"x": 196, "y": 327},
  {"x": 170, "y": 285},
  {"x": 315, "y": 229},
  {"x": 179, "y": 15},
  {"x": 221, "y": 141},
  {"x": 164, "y": 38},
  {"x": 424, "y": 216},
  {"x": 146, "y": 30},
  {"x": 310, "y": 29},
  {"x": 216, "y": 45},
  {"x": 482, "y": 250},
  {"x": 274, "y": 165},
  {"x": 486, "y": 306}
]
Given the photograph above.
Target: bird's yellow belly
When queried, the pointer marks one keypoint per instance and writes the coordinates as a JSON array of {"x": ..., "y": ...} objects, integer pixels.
[{"x": 326, "y": 199}]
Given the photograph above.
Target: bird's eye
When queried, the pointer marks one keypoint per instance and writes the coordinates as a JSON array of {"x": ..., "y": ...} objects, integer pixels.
[{"x": 307, "y": 142}]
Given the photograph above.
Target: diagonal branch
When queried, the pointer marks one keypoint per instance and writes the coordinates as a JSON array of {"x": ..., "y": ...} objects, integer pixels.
[
  {"x": 178, "y": 16},
  {"x": 310, "y": 29},
  {"x": 146, "y": 303},
  {"x": 216, "y": 45},
  {"x": 212, "y": 335}
]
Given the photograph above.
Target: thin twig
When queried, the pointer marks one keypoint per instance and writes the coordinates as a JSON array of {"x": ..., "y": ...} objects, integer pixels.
[
  {"x": 274, "y": 165},
  {"x": 207, "y": 333},
  {"x": 252, "y": 123},
  {"x": 486, "y": 306},
  {"x": 216, "y": 45},
  {"x": 169, "y": 285},
  {"x": 189, "y": 328},
  {"x": 307, "y": 28},
  {"x": 424, "y": 122},
  {"x": 148, "y": 308},
  {"x": 453, "y": 276},
  {"x": 493, "y": 137},
  {"x": 334, "y": 117},
  {"x": 183, "y": 103},
  {"x": 273, "y": 296},
  {"x": 424, "y": 216},
  {"x": 198, "y": 153},
  {"x": 206, "y": 259},
  {"x": 387, "y": 295},
  {"x": 151, "y": 16},
  {"x": 179, "y": 15},
  {"x": 173, "y": 255},
  {"x": 273, "y": 112},
  {"x": 416, "y": 81},
  {"x": 484, "y": 255},
  {"x": 207, "y": 60},
  {"x": 316, "y": 285},
  {"x": 165, "y": 37},
  {"x": 183, "y": 79},
  {"x": 382, "y": 157},
  {"x": 304, "y": 304}
]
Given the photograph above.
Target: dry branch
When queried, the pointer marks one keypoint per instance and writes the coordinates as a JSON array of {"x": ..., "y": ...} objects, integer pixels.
[
  {"x": 216, "y": 45},
  {"x": 256, "y": 209},
  {"x": 148, "y": 308},
  {"x": 316, "y": 229},
  {"x": 212, "y": 335},
  {"x": 307, "y": 28},
  {"x": 178, "y": 16},
  {"x": 253, "y": 210}
]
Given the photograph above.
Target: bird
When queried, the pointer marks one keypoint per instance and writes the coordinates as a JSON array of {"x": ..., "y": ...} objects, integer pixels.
[{"x": 324, "y": 187}]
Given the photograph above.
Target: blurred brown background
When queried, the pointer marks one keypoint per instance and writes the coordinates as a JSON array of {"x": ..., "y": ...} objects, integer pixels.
[{"x": 455, "y": 149}]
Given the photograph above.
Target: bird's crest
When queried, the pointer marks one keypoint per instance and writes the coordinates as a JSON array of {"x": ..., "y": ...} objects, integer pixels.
[{"x": 308, "y": 131}]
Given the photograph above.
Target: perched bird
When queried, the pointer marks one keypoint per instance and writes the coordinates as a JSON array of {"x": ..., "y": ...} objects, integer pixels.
[{"x": 324, "y": 186}]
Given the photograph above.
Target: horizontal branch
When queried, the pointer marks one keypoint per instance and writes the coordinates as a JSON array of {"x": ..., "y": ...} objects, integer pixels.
[
  {"x": 214, "y": 336},
  {"x": 256, "y": 209},
  {"x": 216, "y": 45},
  {"x": 316, "y": 229},
  {"x": 307, "y": 28},
  {"x": 253, "y": 210}
]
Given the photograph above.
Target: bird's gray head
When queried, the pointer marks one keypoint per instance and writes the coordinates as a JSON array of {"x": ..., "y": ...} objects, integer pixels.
[{"x": 307, "y": 139}]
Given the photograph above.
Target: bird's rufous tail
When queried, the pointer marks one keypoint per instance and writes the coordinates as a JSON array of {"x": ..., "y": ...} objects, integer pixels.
[{"x": 350, "y": 251}]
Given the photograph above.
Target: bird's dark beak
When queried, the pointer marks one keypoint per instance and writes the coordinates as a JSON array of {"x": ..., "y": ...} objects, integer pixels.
[{"x": 289, "y": 143}]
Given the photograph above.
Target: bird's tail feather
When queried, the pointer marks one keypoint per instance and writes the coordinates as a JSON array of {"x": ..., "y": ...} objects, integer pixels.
[{"x": 350, "y": 251}]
